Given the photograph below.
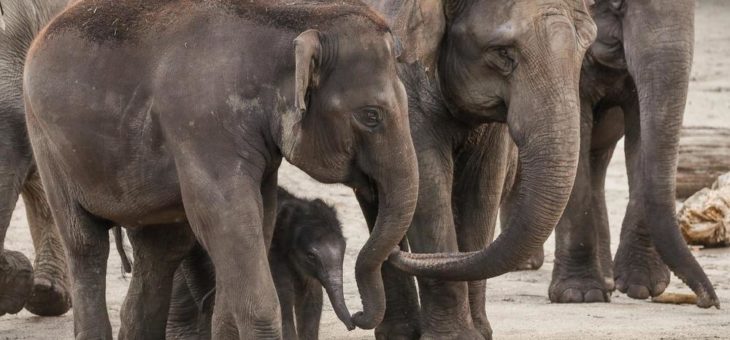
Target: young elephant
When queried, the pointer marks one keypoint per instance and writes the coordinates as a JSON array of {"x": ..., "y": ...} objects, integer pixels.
[
  {"x": 171, "y": 117},
  {"x": 306, "y": 255}
]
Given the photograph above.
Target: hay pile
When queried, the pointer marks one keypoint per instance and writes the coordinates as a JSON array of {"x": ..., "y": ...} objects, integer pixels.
[{"x": 705, "y": 217}]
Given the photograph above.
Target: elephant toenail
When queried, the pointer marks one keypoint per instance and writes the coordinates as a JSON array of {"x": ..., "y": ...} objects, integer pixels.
[
  {"x": 595, "y": 295},
  {"x": 571, "y": 295},
  {"x": 638, "y": 292}
]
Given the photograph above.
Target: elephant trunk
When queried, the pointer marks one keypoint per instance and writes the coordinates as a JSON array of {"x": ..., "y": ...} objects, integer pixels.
[
  {"x": 395, "y": 177},
  {"x": 333, "y": 286},
  {"x": 544, "y": 122},
  {"x": 658, "y": 42}
]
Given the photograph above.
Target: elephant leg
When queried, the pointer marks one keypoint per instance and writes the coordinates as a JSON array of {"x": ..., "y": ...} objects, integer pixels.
[
  {"x": 16, "y": 273},
  {"x": 284, "y": 282},
  {"x": 86, "y": 239},
  {"x": 481, "y": 172},
  {"x": 639, "y": 271},
  {"x": 308, "y": 310},
  {"x": 158, "y": 251},
  {"x": 445, "y": 311},
  {"x": 193, "y": 293},
  {"x": 599, "y": 165},
  {"x": 401, "y": 320},
  {"x": 51, "y": 294},
  {"x": 577, "y": 275},
  {"x": 226, "y": 213},
  {"x": 184, "y": 313}
]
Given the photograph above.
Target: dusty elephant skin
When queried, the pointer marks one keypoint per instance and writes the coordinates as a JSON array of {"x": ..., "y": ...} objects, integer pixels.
[
  {"x": 513, "y": 62},
  {"x": 306, "y": 256},
  {"x": 43, "y": 290},
  {"x": 634, "y": 83},
  {"x": 130, "y": 119}
]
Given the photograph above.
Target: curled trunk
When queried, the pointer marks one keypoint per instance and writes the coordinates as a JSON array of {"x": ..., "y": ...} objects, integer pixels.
[{"x": 396, "y": 184}]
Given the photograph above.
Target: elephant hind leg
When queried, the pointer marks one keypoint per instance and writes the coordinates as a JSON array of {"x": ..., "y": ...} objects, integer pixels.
[
  {"x": 50, "y": 295},
  {"x": 16, "y": 275},
  {"x": 158, "y": 251},
  {"x": 582, "y": 233}
]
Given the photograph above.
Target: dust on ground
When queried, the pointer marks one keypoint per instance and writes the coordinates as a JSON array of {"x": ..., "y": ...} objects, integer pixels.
[{"x": 517, "y": 303}]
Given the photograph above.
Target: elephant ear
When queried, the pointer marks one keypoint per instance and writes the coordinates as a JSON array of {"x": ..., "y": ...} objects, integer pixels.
[{"x": 308, "y": 50}]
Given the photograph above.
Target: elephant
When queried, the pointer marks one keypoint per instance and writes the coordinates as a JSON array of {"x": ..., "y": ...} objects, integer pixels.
[
  {"x": 307, "y": 253},
  {"x": 634, "y": 84},
  {"x": 132, "y": 123},
  {"x": 43, "y": 289},
  {"x": 481, "y": 75}
]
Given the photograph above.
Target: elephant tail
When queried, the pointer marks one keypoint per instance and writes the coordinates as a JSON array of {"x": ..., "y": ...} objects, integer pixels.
[{"x": 119, "y": 241}]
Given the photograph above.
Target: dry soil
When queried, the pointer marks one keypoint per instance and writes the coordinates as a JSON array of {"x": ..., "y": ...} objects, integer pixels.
[{"x": 517, "y": 303}]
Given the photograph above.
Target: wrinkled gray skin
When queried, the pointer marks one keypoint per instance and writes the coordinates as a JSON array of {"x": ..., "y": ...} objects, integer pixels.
[
  {"x": 473, "y": 65},
  {"x": 133, "y": 124},
  {"x": 43, "y": 289},
  {"x": 634, "y": 84},
  {"x": 306, "y": 256}
]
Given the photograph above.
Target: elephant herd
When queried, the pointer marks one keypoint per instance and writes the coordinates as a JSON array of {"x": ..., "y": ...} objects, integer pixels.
[{"x": 171, "y": 117}]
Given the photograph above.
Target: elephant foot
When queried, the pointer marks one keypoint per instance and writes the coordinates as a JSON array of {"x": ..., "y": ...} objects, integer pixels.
[
  {"x": 534, "y": 262},
  {"x": 16, "y": 280},
  {"x": 49, "y": 297},
  {"x": 638, "y": 269},
  {"x": 583, "y": 284},
  {"x": 483, "y": 327},
  {"x": 398, "y": 330}
]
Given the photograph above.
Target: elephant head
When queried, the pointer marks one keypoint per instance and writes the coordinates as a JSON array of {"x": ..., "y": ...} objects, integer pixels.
[
  {"x": 516, "y": 61},
  {"x": 351, "y": 126}
]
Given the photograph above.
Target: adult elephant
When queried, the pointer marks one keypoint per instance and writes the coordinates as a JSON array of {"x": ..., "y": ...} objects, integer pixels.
[
  {"x": 470, "y": 66},
  {"x": 634, "y": 83},
  {"x": 154, "y": 135},
  {"x": 44, "y": 289}
]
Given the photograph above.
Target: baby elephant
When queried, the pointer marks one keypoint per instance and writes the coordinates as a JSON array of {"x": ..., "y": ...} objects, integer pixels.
[{"x": 306, "y": 255}]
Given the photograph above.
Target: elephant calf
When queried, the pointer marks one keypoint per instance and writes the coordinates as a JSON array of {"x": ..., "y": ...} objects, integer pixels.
[{"x": 306, "y": 255}]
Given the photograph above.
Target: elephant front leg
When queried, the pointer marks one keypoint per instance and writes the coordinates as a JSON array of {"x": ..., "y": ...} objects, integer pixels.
[
  {"x": 577, "y": 275},
  {"x": 51, "y": 295},
  {"x": 639, "y": 271},
  {"x": 482, "y": 172},
  {"x": 225, "y": 209},
  {"x": 308, "y": 310},
  {"x": 445, "y": 310},
  {"x": 158, "y": 251}
]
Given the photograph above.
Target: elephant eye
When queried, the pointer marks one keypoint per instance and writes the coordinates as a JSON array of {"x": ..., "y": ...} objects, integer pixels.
[
  {"x": 311, "y": 257},
  {"x": 501, "y": 58},
  {"x": 369, "y": 117}
]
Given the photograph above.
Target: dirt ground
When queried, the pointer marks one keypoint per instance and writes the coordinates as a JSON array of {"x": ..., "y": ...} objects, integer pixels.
[{"x": 517, "y": 302}]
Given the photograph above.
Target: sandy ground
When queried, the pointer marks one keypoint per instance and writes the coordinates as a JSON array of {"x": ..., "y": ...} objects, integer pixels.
[{"x": 517, "y": 302}]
